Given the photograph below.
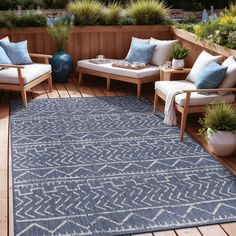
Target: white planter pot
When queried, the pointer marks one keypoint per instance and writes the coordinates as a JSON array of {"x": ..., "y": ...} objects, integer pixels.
[
  {"x": 178, "y": 64},
  {"x": 223, "y": 143}
]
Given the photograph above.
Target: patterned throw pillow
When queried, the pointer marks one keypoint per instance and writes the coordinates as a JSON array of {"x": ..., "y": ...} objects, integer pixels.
[
  {"x": 141, "y": 53},
  {"x": 211, "y": 76},
  {"x": 17, "y": 52},
  {"x": 137, "y": 40},
  {"x": 4, "y": 59}
]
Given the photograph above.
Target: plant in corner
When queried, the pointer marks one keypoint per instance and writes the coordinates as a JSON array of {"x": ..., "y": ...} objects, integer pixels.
[
  {"x": 62, "y": 63},
  {"x": 177, "y": 54},
  {"x": 219, "y": 127}
]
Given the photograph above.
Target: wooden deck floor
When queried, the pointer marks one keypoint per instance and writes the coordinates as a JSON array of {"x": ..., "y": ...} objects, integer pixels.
[{"x": 90, "y": 87}]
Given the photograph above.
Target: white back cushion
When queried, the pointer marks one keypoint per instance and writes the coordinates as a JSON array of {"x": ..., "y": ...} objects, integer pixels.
[
  {"x": 202, "y": 61},
  {"x": 162, "y": 51},
  {"x": 137, "y": 40},
  {"x": 230, "y": 78},
  {"x": 6, "y": 39}
]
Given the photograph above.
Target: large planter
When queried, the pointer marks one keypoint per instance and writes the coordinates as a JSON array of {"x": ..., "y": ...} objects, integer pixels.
[
  {"x": 62, "y": 65},
  {"x": 223, "y": 143},
  {"x": 178, "y": 64}
]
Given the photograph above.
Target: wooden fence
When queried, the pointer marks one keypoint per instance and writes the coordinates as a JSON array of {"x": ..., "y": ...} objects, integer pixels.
[
  {"x": 111, "y": 41},
  {"x": 89, "y": 41}
]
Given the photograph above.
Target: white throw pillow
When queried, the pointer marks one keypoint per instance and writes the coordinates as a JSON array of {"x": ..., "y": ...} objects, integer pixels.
[
  {"x": 162, "y": 51},
  {"x": 202, "y": 61},
  {"x": 6, "y": 39},
  {"x": 230, "y": 77},
  {"x": 137, "y": 40}
]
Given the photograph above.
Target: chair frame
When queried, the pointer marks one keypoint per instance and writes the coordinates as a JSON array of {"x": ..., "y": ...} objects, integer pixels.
[
  {"x": 186, "y": 109},
  {"x": 22, "y": 87}
]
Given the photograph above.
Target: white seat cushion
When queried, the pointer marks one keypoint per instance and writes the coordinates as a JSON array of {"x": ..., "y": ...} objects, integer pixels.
[
  {"x": 196, "y": 99},
  {"x": 108, "y": 68},
  {"x": 29, "y": 73}
]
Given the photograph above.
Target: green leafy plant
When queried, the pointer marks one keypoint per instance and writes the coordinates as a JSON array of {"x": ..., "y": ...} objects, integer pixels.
[
  {"x": 219, "y": 116},
  {"x": 179, "y": 52},
  {"x": 60, "y": 34},
  {"x": 186, "y": 26},
  {"x": 114, "y": 14},
  {"x": 87, "y": 12},
  {"x": 148, "y": 12}
]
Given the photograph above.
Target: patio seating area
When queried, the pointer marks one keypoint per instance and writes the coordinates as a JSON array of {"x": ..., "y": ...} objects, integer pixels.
[{"x": 115, "y": 120}]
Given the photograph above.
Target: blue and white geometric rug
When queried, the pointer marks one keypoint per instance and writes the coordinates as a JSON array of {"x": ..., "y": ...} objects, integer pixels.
[{"x": 107, "y": 166}]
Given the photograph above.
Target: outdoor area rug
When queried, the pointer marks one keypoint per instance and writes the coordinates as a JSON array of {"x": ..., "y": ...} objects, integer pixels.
[{"x": 107, "y": 166}]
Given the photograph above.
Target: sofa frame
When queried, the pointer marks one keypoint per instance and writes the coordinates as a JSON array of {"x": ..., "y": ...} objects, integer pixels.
[
  {"x": 22, "y": 87},
  {"x": 138, "y": 81}
]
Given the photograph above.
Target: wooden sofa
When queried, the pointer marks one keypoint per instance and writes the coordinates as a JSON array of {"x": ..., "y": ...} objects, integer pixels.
[{"x": 107, "y": 71}]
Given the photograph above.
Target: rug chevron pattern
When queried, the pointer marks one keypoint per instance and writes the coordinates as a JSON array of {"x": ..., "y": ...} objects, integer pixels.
[{"x": 107, "y": 166}]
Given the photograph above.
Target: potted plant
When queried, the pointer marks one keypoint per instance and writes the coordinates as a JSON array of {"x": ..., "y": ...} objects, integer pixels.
[
  {"x": 219, "y": 127},
  {"x": 177, "y": 54},
  {"x": 62, "y": 63}
]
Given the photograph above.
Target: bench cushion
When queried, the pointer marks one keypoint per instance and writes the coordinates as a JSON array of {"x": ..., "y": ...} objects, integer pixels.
[
  {"x": 29, "y": 73},
  {"x": 196, "y": 99},
  {"x": 108, "y": 68}
]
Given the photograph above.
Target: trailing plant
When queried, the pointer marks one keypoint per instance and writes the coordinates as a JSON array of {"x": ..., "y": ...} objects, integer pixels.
[
  {"x": 147, "y": 12},
  {"x": 218, "y": 116},
  {"x": 87, "y": 12},
  {"x": 60, "y": 33},
  {"x": 179, "y": 52},
  {"x": 114, "y": 14}
]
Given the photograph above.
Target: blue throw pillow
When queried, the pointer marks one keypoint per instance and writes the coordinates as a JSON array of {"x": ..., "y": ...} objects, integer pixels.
[
  {"x": 17, "y": 52},
  {"x": 141, "y": 53},
  {"x": 4, "y": 59},
  {"x": 211, "y": 76}
]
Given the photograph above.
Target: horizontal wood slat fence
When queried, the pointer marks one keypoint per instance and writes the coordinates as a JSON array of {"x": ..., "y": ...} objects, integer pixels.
[
  {"x": 111, "y": 41},
  {"x": 87, "y": 42}
]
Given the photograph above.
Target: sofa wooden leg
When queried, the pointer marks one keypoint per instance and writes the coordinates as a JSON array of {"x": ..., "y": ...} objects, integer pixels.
[
  {"x": 50, "y": 83},
  {"x": 24, "y": 97},
  {"x": 139, "y": 88},
  {"x": 108, "y": 84},
  {"x": 184, "y": 116},
  {"x": 80, "y": 77},
  {"x": 156, "y": 98}
]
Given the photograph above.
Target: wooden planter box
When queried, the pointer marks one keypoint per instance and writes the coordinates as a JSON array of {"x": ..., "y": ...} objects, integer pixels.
[
  {"x": 196, "y": 46},
  {"x": 87, "y": 42},
  {"x": 111, "y": 41}
]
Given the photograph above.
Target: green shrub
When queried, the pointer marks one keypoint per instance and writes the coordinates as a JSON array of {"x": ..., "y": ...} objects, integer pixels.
[
  {"x": 12, "y": 20},
  {"x": 114, "y": 14},
  {"x": 186, "y": 26},
  {"x": 178, "y": 52},
  {"x": 31, "y": 20},
  {"x": 147, "y": 12},
  {"x": 87, "y": 12}
]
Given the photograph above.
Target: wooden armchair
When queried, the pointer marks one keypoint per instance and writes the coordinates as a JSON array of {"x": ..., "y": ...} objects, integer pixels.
[
  {"x": 23, "y": 77},
  {"x": 185, "y": 105}
]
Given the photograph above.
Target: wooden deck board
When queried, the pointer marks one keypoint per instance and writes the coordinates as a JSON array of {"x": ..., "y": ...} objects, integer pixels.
[{"x": 89, "y": 88}]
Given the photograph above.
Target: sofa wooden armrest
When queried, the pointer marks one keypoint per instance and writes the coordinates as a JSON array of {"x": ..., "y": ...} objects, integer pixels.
[
  {"x": 210, "y": 90},
  {"x": 44, "y": 56},
  {"x": 12, "y": 66}
]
